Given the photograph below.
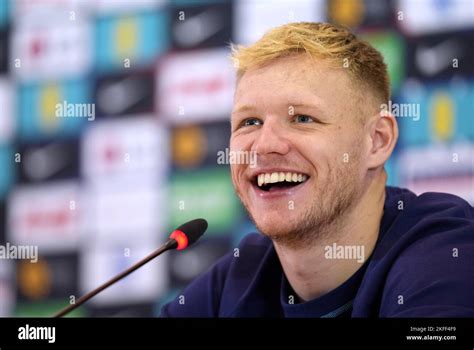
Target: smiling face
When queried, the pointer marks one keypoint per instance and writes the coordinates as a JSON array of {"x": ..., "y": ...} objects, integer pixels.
[{"x": 302, "y": 120}]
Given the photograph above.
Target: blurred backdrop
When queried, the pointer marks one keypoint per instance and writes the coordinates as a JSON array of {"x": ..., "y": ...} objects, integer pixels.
[{"x": 112, "y": 113}]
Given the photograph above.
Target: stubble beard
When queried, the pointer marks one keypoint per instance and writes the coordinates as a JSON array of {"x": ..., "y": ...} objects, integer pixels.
[{"x": 333, "y": 200}]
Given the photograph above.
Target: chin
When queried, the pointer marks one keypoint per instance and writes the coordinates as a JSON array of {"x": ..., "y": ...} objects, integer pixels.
[{"x": 274, "y": 225}]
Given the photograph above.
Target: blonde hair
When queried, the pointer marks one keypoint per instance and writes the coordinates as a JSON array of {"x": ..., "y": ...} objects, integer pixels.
[{"x": 322, "y": 40}]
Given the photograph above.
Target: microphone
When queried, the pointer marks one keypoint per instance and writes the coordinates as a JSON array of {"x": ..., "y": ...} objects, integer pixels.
[{"x": 180, "y": 239}]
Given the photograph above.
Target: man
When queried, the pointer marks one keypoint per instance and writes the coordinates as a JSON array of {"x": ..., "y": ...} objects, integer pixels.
[{"x": 336, "y": 242}]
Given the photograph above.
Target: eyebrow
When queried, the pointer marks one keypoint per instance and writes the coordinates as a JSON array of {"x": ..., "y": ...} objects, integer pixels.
[
  {"x": 307, "y": 105},
  {"x": 244, "y": 108},
  {"x": 247, "y": 108}
]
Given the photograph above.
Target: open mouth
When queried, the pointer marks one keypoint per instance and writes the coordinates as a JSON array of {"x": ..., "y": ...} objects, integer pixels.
[{"x": 269, "y": 182}]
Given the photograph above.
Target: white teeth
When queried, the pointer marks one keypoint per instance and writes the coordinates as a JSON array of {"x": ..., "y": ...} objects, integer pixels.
[
  {"x": 275, "y": 177},
  {"x": 267, "y": 178}
]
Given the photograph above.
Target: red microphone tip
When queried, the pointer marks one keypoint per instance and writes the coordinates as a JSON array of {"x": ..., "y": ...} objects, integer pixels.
[{"x": 181, "y": 238}]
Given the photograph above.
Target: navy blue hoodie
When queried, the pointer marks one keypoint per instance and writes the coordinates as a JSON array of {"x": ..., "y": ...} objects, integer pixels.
[{"x": 422, "y": 266}]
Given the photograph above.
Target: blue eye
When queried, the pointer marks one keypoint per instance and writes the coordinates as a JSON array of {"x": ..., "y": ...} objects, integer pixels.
[
  {"x": 301, "y": 118},
  {"x": 251, "y": 121}
]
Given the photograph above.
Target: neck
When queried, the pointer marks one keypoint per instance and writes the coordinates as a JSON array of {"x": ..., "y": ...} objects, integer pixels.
[{"x": 316, "y": 270}]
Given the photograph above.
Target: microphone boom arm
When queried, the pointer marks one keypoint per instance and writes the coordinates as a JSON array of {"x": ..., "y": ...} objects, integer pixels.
[{"x": 171, "y": 244}]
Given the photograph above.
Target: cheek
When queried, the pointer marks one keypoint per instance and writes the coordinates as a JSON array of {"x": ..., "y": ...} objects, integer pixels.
[
  {"x": 240, "y": 142},
  {"x": 234, "y": 168},
  {"x": 323, "y": 155},
  {"x": 316, "y": 150},
  {"x": 234, "y": 174},
  {"x": 351, "y": 149}
]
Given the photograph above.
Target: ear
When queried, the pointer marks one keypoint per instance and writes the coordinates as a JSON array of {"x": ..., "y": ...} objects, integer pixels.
[{"x": 383, "y": 138}]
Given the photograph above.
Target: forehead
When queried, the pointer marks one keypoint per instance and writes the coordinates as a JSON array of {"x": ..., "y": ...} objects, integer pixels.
[{"x": 295, "y": 79}]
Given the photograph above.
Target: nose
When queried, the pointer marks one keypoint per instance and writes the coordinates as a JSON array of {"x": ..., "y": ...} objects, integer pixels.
[{"x": 271, "y": 138}]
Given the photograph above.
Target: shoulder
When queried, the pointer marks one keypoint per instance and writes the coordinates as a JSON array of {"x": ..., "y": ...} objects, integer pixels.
[
  {"x": 432, "y": 272},
  {"x": 443, "y": 205},
  {"x": 428, "y": 203},
  {"x": 414, "y": 217}
]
